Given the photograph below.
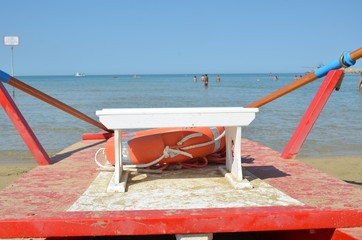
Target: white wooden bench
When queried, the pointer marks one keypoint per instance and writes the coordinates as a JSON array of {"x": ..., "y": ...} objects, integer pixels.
[{"x": 232, "y": 118}]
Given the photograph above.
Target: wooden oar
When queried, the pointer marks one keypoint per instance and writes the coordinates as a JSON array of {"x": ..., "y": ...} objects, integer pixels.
[
  {"x": 346, "y": 60},
  {"x": 48, "y": 99}
]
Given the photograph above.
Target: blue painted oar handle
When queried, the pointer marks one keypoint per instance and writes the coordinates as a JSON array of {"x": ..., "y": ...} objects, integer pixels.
[
  {"x": 344, "y": 61},
  {"x": 4, "y": 77}
]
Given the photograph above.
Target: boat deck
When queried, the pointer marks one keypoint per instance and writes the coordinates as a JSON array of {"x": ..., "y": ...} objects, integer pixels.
[{"x": 68, "y": 198}]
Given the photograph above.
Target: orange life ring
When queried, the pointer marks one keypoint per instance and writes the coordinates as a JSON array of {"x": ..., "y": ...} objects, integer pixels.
[{"x": 167, "y": 145}]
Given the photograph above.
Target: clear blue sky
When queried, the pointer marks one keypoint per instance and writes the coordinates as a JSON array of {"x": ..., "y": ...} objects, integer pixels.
[{"x": 188, "y": 36}]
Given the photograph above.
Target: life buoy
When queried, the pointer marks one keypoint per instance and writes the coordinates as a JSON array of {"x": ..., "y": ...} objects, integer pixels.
[{"x": 167, "y": 145}]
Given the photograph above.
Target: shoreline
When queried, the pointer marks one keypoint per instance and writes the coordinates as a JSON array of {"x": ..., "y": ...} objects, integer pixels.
[
  {"x": 346, "y": 168},
  {"x": 9, "y": 172}
]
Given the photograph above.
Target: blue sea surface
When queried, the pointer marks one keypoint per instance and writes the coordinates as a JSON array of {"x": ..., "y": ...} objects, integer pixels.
[{"x": 336, "y": 132}]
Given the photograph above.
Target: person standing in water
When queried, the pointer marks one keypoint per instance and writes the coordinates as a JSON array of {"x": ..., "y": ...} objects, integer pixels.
[
  {"x": 195, "y": 79},
  {"x": 218, "y": 78},
  {"x": 206, "y": 80}
]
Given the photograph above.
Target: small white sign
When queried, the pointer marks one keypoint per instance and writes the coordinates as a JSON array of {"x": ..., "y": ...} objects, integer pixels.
[{"x": 11, "y": 40}]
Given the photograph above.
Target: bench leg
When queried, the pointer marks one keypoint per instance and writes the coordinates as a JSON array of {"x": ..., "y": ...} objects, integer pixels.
[
  {"x": 118, "y": 155},
  {"x": 233, "y": 157},
  {"x": 120, "y": 177}
]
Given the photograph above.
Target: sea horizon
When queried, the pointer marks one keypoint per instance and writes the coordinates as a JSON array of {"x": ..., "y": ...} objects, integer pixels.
[
  {"x": 132, "y": 74},
  {"x": 332, "y": 135}
]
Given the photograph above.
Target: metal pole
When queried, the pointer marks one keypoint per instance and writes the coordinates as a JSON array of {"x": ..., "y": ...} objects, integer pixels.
[
  {"x": 12, "y": 61},
  {"x": 12, "y": 67}
]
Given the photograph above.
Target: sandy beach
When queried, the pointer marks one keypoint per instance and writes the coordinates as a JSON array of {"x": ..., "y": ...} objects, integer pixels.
[
  {"x": 9, "y": 172},
  {"x": 347, "y": 168}
]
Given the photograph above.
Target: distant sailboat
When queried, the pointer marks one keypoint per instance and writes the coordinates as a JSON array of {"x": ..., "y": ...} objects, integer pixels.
[{"x": 79, "y": 74}]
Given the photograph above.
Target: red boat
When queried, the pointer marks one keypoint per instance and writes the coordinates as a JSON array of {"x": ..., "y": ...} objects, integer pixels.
[{"x": 67, "y": 196}]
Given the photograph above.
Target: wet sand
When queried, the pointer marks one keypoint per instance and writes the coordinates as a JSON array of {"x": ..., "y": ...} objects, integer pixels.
[
  {"x": 9, "y": 172},
  {"x": 347, "y": 168}
]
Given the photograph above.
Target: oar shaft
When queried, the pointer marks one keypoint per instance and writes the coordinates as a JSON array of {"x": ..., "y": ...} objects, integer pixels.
[
  {"x": 357, "y": 54},
  {"x": 349, "y": 59},
  {"x": 281, "y": 92},
  {"x": 50, "y": 100}
]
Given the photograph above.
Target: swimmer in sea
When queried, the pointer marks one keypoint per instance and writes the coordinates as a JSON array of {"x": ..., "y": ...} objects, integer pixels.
[{"x": 206, "y": 80}]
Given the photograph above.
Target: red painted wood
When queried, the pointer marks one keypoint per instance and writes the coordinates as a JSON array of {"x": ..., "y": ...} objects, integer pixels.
[
  {"x": 312, "y": 113},
  {"x": 23, "y": 127},
  {"x": 96, "y": 136},
  {"x": 175, "y": 222},
  {"x": 44, "y": 194},
  {"x": 347, "y": 234},
  {"x": 310, "y": 234}
]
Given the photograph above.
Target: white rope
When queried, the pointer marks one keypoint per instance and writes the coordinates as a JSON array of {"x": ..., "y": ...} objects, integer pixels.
[
  {"x": 189, "y": 137},
  {"x": 95, "y": 158},
  {"x": 168, "y": 152},
  {"x": 204, "y": 144}
]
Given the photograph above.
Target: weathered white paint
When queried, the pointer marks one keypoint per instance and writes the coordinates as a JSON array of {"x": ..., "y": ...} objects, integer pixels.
[
  {"x": 129, "y": 118},
  {"x": 179, "y": 189}
]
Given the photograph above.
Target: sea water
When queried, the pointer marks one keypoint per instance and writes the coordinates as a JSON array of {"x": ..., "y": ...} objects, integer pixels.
[{"x": 336, "y": 132}]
